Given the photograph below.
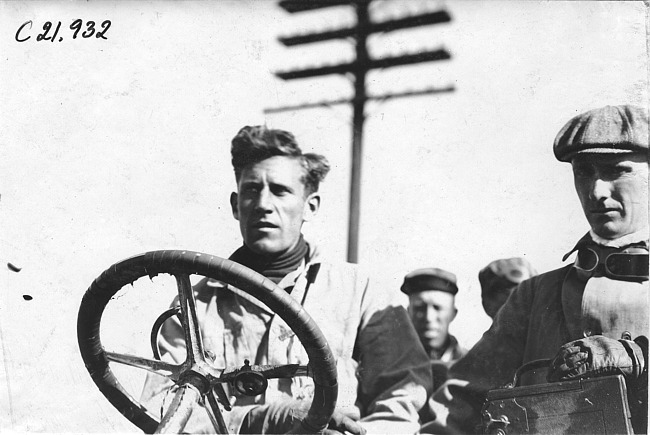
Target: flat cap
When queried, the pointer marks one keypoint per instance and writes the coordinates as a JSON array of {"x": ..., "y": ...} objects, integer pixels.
[
  {"x": 609, "y": 129},
  {"x": 504, "y": 274},
  {"x": 429, "y": 279}
]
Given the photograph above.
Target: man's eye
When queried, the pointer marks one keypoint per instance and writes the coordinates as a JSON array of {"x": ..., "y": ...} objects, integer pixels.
[
  {"x": 582, "y": 172},
  {"x": 251, "y": 189},
  {"x": 280, "y": 191},
  {"x": 614, "y": 172},
  {"x": 618, "y": 170}
]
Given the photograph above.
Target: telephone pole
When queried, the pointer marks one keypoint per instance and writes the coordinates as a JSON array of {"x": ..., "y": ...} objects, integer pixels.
[{"x": 358, "y": 69}]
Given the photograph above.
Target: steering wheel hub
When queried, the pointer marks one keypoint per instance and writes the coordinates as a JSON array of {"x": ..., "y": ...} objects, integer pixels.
[{"x": 250, "y": 383}]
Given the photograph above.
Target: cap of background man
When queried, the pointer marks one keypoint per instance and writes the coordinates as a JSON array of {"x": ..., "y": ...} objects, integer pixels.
[
  {"x": 499, "y": 278},
  {"x": 430, "y": 278},
  {"x": 609, "y": 129}
]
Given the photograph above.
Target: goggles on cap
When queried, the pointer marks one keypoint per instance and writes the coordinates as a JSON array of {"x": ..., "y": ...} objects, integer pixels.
[{"x": 630, "y": 264}]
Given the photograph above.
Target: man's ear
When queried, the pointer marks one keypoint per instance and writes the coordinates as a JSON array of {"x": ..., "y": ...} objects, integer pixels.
[
  {"x": 454, "y": 315},
  {"x": 312, "y": 205},
  {"x": 233, "y": 205}
]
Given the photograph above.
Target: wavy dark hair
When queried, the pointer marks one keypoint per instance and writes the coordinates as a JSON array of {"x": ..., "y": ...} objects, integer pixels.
[{"x": 254, "y": 144}]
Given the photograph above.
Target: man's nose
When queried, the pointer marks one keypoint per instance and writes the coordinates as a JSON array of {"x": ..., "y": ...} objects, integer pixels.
[
  {"x": 264, "y": 200},
  {"x": 431, "y": 314},
  {"x": 600, "y": 189}
]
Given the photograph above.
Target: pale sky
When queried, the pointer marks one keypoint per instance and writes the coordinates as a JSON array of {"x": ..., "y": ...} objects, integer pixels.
[{"x": 109, "y": 148}]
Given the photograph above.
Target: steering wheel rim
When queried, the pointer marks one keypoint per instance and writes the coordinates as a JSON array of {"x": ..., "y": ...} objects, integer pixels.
[{"x": 152, "y": 263}]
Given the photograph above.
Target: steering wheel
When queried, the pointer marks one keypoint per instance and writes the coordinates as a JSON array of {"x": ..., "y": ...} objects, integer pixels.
[{"x": 196, "y": 377}]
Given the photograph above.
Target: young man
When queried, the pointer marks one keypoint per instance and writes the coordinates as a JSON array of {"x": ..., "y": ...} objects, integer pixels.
[
  {"x": 383, "y": 372},
  {"x": 591, "y": 316}
]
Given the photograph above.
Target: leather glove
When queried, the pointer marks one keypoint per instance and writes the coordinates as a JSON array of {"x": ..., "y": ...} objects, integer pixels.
[
  {"x": 287, "y": 416},
  {"x": 597, "y": 356}
]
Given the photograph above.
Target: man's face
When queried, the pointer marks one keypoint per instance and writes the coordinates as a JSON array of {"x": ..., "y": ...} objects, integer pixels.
[
  {"x": 613, "y": 191},
  {"x": 431, "y": 312},
  {"x": 271, "y": 205}
]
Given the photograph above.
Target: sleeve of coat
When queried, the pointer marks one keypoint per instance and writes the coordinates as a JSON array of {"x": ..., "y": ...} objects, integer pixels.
[
  {"x": 394, "y": 371},
  {"x": 491, "y": 363}
]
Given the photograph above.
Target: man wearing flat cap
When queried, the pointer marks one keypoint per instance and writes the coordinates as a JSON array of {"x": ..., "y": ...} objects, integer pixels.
[
  {"x": 432, "y": 307},
  {"x": 590, "y": 317},
  {"x": 499, "y": 278}
]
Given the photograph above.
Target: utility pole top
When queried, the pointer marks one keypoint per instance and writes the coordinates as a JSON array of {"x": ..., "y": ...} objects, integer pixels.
[
  {"x": 293, "y": 6},
  {"x": 358, "y": 69},
  {"x": 434, "y": 17}
]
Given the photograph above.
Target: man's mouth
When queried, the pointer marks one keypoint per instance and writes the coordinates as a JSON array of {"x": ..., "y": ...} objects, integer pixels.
[
  {"x": 264, "y": 225},
  {"x": 431, "y": 333},
  {"x": 604, "y": 210}
]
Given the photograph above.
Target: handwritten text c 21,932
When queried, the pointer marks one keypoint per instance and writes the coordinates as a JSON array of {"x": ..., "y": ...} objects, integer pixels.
[{"x": 52, "y": 32}]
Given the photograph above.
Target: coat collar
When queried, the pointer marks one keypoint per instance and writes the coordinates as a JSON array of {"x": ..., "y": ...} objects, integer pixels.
[
  {"x": 635, "y": 239},
  {"x": 299, "y": 279}
]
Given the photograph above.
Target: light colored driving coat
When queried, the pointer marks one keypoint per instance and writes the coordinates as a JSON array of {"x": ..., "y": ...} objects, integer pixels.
[{"x": 383, "y": 372}]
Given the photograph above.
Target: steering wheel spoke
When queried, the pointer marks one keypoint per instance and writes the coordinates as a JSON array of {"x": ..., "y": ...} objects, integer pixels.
[
  {"x": 171, "y": 371},
  {"x": 179, "y": 410},
  {"x": 189, "y": 320},
  {"x": 214, "y": 410},
  {"x": 285, "y": 371}
]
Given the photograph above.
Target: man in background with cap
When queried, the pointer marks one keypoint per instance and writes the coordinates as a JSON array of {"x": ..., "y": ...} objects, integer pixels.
[
  {"x": 432, "y": 307},
  {"x": 499, "y": 278},
  {"x": 589, "y": 317}
]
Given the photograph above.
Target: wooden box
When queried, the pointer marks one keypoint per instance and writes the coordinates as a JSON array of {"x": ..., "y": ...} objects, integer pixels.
[{"x": 589, "y": 406}]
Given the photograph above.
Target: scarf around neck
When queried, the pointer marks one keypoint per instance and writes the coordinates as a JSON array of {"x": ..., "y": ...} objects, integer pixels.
[{"x": 273, "y": 268}]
